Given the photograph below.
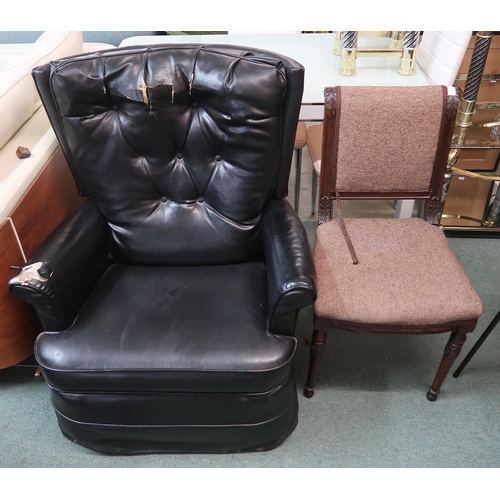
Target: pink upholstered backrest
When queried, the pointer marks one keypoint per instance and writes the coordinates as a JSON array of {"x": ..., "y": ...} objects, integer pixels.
[
  {"x": 388, "y": 138},
  {"x": 386, "y": 143}
]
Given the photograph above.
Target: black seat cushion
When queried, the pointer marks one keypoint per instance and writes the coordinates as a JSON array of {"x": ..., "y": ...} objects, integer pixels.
[{"x": 190, "y": 329}]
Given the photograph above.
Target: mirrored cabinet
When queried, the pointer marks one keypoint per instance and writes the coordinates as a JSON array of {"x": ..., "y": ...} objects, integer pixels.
[{"x": 473, "y": 198}]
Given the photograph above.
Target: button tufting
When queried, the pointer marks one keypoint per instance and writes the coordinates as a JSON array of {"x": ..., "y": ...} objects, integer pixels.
[
  {"x": 201, "y": 199},
  {"x": 115, "y": 107},
  {"x": 218, "y": 158},
  {"x": 179, "y": 155},
  {"x": 195, "y": 104},
  {"x": 164, "y": 199}
]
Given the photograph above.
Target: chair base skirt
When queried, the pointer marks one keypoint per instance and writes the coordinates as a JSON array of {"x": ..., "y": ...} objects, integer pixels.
[
  {"x": 197, "y": 423},
  {"x": 136, "y": 440}
]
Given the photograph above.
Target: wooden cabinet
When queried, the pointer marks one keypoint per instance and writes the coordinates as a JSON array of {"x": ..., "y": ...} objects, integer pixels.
[
  {"x": 19, "y": 324},
  {"x": 49, "y": 199}
]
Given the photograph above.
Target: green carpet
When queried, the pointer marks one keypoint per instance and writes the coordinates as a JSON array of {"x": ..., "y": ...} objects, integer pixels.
[{"x": 369, "y": 409}]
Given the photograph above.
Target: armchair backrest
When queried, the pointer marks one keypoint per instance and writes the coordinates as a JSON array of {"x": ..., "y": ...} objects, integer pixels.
[{"x": 179, "y": 146}]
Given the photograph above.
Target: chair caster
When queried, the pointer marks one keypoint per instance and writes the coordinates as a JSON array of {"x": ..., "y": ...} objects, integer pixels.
[{"x": 431, "y": 395}]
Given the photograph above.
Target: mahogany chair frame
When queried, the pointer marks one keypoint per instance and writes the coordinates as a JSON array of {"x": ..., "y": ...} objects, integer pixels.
[{"x": 432, "y": 211}]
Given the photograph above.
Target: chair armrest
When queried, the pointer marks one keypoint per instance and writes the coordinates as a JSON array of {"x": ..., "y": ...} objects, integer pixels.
[
  {"x": 57, "y": 280},
  {"x": 290, "y": 268}
]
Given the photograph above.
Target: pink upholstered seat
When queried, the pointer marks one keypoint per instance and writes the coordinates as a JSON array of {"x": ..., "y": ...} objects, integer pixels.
[
  {"x": 388, "y": 275},
  {"x": 407, "y": 275}
]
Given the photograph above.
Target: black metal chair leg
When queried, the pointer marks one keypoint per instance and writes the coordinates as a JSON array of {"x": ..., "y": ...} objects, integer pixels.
[
  {"x": 298, "y": 168},
  {"x": 477, "y": 345},
  {"x": 314, "y": 188}
]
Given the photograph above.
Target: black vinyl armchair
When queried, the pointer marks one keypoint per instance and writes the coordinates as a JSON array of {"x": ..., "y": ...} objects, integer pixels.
[{"x": 169, "y": 298}]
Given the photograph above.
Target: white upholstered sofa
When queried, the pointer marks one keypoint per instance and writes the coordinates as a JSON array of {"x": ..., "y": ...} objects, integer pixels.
[{"x": 36, "y": 192}]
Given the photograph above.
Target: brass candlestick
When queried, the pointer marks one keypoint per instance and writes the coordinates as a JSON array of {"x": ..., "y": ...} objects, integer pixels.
[
  {"x": 396, "y": 39},
  {"x": 349, "y": 48},
  {"x": 339, "y": 35},
  {"x": 468, "y": 101},
  {"x": 409, "y": 56},
  {"x": 402, "y": 44}
]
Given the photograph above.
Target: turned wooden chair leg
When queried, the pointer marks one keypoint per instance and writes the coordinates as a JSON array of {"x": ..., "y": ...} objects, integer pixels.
[
  {"x": 451, "y": 352},
  {"x": 317, "y": 348},
  {"x": 38, "y": 372}
]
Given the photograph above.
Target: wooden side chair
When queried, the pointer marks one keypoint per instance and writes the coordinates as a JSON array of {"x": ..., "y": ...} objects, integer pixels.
[{"x": 388, "y": 275}]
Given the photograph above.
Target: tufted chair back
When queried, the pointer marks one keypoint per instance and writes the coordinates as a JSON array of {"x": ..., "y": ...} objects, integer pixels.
[{"x": 180, "y": 147}]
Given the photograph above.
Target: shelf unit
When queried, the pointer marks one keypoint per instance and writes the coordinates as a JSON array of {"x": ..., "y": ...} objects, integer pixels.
[{"x": 473, "y": 194}]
